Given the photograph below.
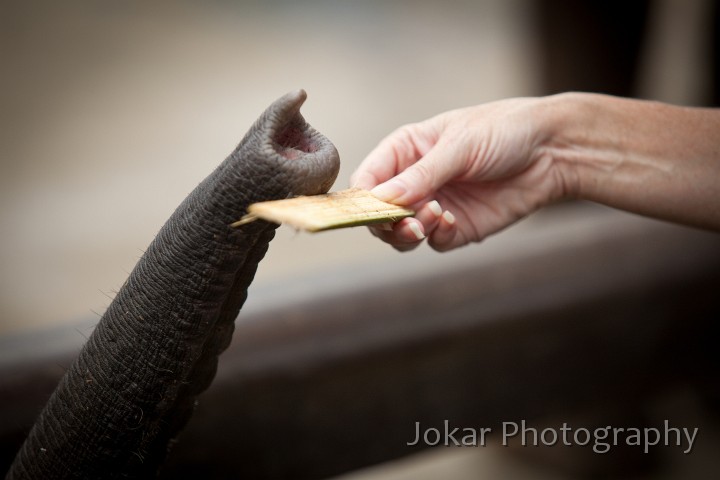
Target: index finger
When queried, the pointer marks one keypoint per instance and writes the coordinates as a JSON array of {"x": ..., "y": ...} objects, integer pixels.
[{"x": 395, "y": 153}]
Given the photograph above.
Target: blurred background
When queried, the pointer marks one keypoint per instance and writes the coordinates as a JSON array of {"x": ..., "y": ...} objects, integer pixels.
[{"x": 112, "y": 112}]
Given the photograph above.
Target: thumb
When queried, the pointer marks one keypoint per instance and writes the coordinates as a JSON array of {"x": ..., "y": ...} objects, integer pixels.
[{"x": 422, "y": 179}]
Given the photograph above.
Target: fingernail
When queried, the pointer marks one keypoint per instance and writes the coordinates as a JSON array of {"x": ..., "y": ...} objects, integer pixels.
[
  {"x": 449, "y": 217},
  {"x": 388, "y": 191},
  {"x": 415, "y": 229},
  {"x": 435, "y": 208}
]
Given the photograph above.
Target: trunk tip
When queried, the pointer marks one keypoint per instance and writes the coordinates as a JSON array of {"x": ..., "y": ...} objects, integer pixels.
[{"x": 297, "y": 96}]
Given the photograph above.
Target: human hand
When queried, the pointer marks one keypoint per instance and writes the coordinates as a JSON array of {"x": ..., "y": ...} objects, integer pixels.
[{"x": 468, "y": 173}]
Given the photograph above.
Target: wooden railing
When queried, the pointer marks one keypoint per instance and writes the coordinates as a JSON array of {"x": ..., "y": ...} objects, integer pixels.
[{"x": 590, "y": 307}]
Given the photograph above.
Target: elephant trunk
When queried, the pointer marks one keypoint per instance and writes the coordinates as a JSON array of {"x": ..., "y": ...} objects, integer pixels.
[{"x": 135, "y": 382}]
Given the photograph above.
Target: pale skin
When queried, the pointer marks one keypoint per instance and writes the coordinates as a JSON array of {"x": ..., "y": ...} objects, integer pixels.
[{"x": 471, "y": 172}]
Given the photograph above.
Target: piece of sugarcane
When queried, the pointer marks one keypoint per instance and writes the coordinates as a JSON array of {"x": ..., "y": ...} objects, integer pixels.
[{"x": 347, "y": 208}]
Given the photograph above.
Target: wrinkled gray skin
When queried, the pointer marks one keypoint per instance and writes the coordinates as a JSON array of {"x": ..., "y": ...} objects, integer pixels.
[{"x": 135, "y": 382}]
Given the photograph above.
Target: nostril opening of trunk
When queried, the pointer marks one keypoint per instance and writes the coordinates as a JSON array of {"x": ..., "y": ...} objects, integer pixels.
[{"x": 292, "y": 142}]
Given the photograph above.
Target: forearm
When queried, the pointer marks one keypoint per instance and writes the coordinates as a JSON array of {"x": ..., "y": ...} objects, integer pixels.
[{"x": 645, "y": 157}]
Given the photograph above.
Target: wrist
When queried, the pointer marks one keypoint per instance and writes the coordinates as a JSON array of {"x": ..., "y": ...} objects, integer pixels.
[
  {"x": 641, "y": 156},
  {"x": 583, "y": 142}
]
